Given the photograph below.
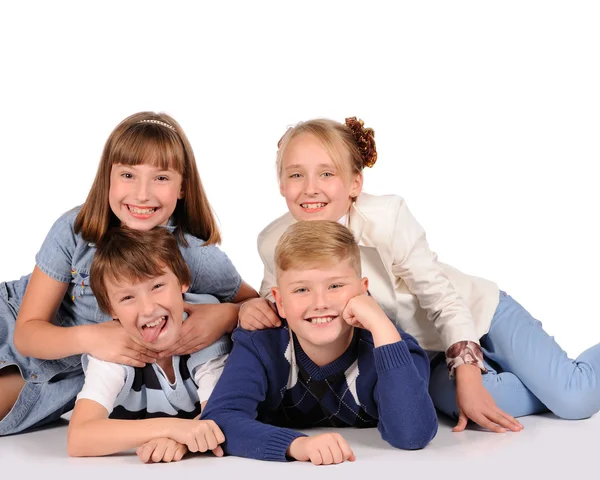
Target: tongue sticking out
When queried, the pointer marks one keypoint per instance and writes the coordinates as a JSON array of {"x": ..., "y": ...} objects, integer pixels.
[{"x": 149, "y": 334}]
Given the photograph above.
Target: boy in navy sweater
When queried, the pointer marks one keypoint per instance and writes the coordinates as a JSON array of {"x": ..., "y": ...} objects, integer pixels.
[{"x": 337, "y": 360}]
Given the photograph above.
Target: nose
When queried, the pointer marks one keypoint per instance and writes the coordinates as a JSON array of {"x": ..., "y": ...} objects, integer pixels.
[
  {"x": 147, "y": 306},
  {"x": 311, "y": 186},
  {"x": 142, "y": 191},
  {"x": 320, "y": 302}
]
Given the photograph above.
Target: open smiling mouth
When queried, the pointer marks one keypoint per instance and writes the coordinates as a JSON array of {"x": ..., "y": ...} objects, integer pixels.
[
  {"x": 320, "y": 320},
  {"x": 141, "y": 211},
  {"x": 313, "y": 206},
  {"x": 153, "y": 329}
]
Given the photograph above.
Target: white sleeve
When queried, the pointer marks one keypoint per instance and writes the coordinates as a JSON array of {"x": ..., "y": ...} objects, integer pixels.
[
  {"x": 207, "y": 375},
  {"x": 103, "y": 382}
]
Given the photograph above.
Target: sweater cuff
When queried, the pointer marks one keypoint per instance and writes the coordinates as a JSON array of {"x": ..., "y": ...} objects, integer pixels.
[
  {"x": 393, "y": 355},
  {"x": 280, "y": 441}
]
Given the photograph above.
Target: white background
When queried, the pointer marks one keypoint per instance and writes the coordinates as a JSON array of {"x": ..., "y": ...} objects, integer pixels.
[{"x": 486, "y": 117}]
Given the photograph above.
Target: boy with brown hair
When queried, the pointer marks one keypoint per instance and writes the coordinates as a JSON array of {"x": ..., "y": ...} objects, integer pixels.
[
  {"x": 138, "y": 278},
  {"x": 337, "y": 360}
]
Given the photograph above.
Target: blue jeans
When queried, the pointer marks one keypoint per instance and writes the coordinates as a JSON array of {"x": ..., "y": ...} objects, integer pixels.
[{"x": 528, "y": 372}]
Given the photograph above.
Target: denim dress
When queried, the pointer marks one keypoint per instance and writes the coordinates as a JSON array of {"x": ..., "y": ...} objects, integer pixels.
[{"x": 52, "y": 385}]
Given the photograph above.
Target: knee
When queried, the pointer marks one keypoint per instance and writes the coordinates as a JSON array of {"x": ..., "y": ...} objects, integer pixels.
[{"x": 575, "y": 406}]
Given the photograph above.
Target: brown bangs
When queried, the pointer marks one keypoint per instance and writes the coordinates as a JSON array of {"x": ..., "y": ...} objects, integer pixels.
[{"x": 149, "y": 144}]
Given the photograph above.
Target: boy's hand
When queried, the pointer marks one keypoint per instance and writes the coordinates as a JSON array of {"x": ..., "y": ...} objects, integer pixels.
[
  {"x": 323, "y": 449},
  {"x": 199, "y": 436},
  {"x": 363, "y": 311},
  {"x": 476, "y": 403},
  {"x": 110, "y": 342},
  {"x": 161, "y": 450},
  {"x": 204, "y": 326},
  {"x": 258, "y": 314}
]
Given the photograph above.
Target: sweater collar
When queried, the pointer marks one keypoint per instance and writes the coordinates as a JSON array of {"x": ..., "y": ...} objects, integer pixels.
[{"x": 341, "y": 364}]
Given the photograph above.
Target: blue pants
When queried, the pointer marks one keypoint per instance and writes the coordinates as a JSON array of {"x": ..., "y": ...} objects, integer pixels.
[{"x": 528, "y": 372}]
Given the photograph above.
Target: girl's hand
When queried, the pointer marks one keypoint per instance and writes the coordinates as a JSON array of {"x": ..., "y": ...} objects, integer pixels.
[
  {"x": 204, "y": 326},
  {"x": 258, "y": 314},
  {"x": 476, "y": 403},
  {"x": 110, "y": 342},
  {"x": 323, "y": 449},
  {"x": 161, "y": 450},
  {"x": 199, "y": 435}
]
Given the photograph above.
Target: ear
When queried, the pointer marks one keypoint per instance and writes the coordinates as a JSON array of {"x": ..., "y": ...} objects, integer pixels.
[
  {"x": 184, "y": 288},
  {"x": 278, "y": 302},
  {"x": 181, "y": 193},
  {"x": 364, "y": 285},
  {"x": 281, "y": 189},
  {"x": 356, "y": 185}
]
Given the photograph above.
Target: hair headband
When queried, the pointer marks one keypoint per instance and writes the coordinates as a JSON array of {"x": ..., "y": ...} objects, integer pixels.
[{"x": 158, "y": 122}]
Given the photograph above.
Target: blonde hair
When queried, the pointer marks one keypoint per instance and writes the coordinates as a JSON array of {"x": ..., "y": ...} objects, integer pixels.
[
  {"x": 155, "y": 139},
  {"x": 135, "y": 255},
  {"x": 357, "y": 143},
  {"x": 312, "y": 244}
]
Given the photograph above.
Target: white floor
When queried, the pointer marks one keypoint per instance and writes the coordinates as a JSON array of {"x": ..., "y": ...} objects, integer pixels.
[{"x": 548, "y": 448}]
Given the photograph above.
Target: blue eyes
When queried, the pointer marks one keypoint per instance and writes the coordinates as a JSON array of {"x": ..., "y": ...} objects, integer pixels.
[
  {"x": 325, "y": 174},
  {"x": 333, "y": 286}
]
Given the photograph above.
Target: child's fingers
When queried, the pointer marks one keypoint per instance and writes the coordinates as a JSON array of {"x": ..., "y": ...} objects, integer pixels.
[
  {"x": 219, "y": 435},
  {"x": 483, "y": 421},
  {"x": 271, "y": 314},
  {"x": 315, "y": 457},
  {"x": 192, "y": 444},
  {"x": 262, "y": 317},
  {"x": 211, "y": 441},
  {"x": 179, "y": 452},
  {"x": 201, "y": 442},
  {"x": 507, "y": 423},
  {"x": 337, "y": 455},
  {"x": 134, "y": 345},
  {"x": 144, "y": 452},
  {"x": 502, "y": 421},
  {"x": 250, "y": 322},
  {"x": 462, "y": 423},
  {"x": 132, "y": 362},
  {"x": 159, "y": 451},
  {"x": 170, "y": 450},
  {"x": 345, "y": 449},
  {"x": 218, "y": 452},
  {"x": 326, "y": 454},
  {"x": 514, "y": 424},
  {"x": 138, "y": 357}
]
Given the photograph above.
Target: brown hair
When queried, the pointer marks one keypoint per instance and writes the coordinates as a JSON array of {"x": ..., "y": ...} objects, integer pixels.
[
  {"x": 135, "y": 255},
  {"x": 155, "y": 139},
  {"x": 311, "y": 244},
  {"x": 353, "y": 137}
]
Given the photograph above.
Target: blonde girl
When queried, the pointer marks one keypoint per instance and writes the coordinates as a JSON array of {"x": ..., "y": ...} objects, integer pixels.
[{"x": 491, "y": 360}]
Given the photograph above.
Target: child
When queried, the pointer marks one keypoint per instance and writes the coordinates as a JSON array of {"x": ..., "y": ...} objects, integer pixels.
[
  {"x": 317, "y": 369},
  {"x": 147, "y": 177},
  {"x": 499, "y": 357},
  {"x": 138, "y": 278}
]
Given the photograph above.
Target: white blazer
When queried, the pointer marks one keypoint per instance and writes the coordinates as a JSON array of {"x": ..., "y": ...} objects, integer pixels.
[{"x": 434, "y": 302}]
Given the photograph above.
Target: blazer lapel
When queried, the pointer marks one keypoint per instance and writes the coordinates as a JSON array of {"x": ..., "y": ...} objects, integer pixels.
[
  {"x": 373, "y": 266},
  {"x": 356, "y": 223}
]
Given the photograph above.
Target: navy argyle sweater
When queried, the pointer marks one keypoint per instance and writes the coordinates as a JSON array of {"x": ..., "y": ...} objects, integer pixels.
[{"x": 270, "y": 386}]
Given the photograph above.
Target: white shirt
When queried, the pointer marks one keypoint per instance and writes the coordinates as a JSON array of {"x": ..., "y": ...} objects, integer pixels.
[{"x": 105, "y": 380}]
